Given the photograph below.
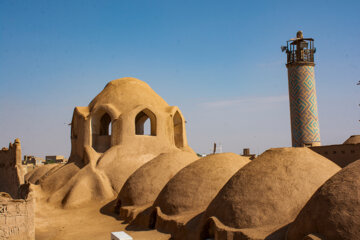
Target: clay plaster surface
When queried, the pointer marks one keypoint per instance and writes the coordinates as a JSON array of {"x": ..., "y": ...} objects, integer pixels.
[
  {"x": 86, "y": 223},
  {"x": 109, "y": 143},
  {"x": 16, "y": 218},
  {"x": 11, "y": 171}
]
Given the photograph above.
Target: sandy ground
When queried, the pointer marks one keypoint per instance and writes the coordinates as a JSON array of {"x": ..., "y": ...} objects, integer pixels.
[{"x": 93, "y": 222}]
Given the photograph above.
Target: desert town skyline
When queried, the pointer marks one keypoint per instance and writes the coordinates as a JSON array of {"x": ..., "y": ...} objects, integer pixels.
[
  {"x": 224, "y": 59},
  {"x": 142, "y": 164}
]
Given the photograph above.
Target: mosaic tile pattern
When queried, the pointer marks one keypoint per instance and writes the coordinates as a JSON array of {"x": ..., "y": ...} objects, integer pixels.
[{"x": 303, "y": 105}]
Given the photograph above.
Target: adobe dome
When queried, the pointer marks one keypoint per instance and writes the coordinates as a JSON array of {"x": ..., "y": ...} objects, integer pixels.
[
  {"x": 354, "y": 139},
  {"x": 271, "y": 190},
  {"x": 88, "y": 184},
  {"x": 190, "y": 191},
  {"x": 197, "y": 184},
  {"x": 117, "y": 116},
  {"x": 333, "y": 211},
  {"x": 144, "y": 185},
  {"x": 126, "y": 125},
  {"x": 58, "y": 177},
  {"x": 126, "y": 94},
  {"x": 35, "y": 175}
]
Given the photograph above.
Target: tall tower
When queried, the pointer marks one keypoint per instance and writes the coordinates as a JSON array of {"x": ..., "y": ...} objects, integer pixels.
[{"x": 305, "y": 130}]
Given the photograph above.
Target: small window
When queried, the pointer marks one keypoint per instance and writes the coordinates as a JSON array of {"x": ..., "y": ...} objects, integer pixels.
[
  {"x": 101, "y": 131},
  {"x": 334, "y": 152},
  {"x": 145, "y": 123},
  {"x": 105, "y": 126},
  {"x": 343, "y": 152},
  {"x": 326, "y": 152},
  {"x": 352, "y": 151}
]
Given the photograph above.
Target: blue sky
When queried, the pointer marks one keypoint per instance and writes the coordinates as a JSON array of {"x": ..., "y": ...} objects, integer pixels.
[{"x": 219, "y": 61}]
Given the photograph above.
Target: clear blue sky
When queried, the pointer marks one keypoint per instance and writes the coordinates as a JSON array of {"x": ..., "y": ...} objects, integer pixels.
[{"x": 219, "y": 61}]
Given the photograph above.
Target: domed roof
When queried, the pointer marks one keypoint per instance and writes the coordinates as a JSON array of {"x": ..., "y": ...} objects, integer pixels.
[
  {"x": 333, "y": 212},
  {"x": 271, "y": 189},
  {"x": 196, "y": 185},
  {"x": 85, "y": 186},
  {"x": 354, "y": 139},
  {"x": 35, "y": 175},
  {"x": 127, "y": 93},
  {"x": 144, "y": 185}
]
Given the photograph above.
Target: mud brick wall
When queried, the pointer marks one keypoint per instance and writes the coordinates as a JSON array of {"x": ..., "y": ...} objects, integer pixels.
[
  {"x": 11, "y": 172},
  {"x": 16, "y": 218},
  {"x": 342, "y": 154}
]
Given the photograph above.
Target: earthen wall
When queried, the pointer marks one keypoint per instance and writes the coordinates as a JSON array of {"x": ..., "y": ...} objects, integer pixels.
[
  {"x": 11, "y": 172},
  {"x": 342, "y": 154},
  {"x": 16, "y": 218}
]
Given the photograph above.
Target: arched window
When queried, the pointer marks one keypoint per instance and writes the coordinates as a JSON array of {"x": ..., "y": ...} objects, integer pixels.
[
  {"x": 178, "y": 130},
  {"x": 101, "y": 131},
  {"x": 145, "y": 123},
  {"x": 105, "y": 125}
]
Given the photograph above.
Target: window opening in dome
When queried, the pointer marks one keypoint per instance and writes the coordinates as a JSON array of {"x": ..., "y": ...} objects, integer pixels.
[
  {"x": 105, "y": 127},
  {"x": 145, "y": 123},
  {"x": 147, "y": 127},
  {"x": 101, "y": 132}
]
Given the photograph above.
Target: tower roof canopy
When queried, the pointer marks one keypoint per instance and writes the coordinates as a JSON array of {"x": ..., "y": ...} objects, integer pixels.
[{"x": 294, "y": 40}]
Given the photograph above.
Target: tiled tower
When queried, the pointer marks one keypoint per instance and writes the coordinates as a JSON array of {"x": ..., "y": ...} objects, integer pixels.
[{"x": 305, "y": 130}]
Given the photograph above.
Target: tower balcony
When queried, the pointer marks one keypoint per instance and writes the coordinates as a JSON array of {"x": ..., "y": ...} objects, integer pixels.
[{"x": 299, "y": 49}]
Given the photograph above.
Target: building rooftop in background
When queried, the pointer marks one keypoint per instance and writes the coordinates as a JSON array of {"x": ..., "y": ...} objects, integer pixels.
[
  {"x": 28, "y": 159},
  {"x": 55, "y": 159}
]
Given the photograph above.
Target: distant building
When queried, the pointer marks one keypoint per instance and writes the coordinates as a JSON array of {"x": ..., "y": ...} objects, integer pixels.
[
  {"x": 55, "y": 159},
  {"x": 246, "y": 153},
  {"x": 30, "y": 162},
  {"x": 341, "y": 154},
  {"x": 28, "y": 159}
]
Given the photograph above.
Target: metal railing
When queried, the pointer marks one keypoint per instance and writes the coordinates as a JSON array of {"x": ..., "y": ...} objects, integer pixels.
[{"x": 305, "y": 55}]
